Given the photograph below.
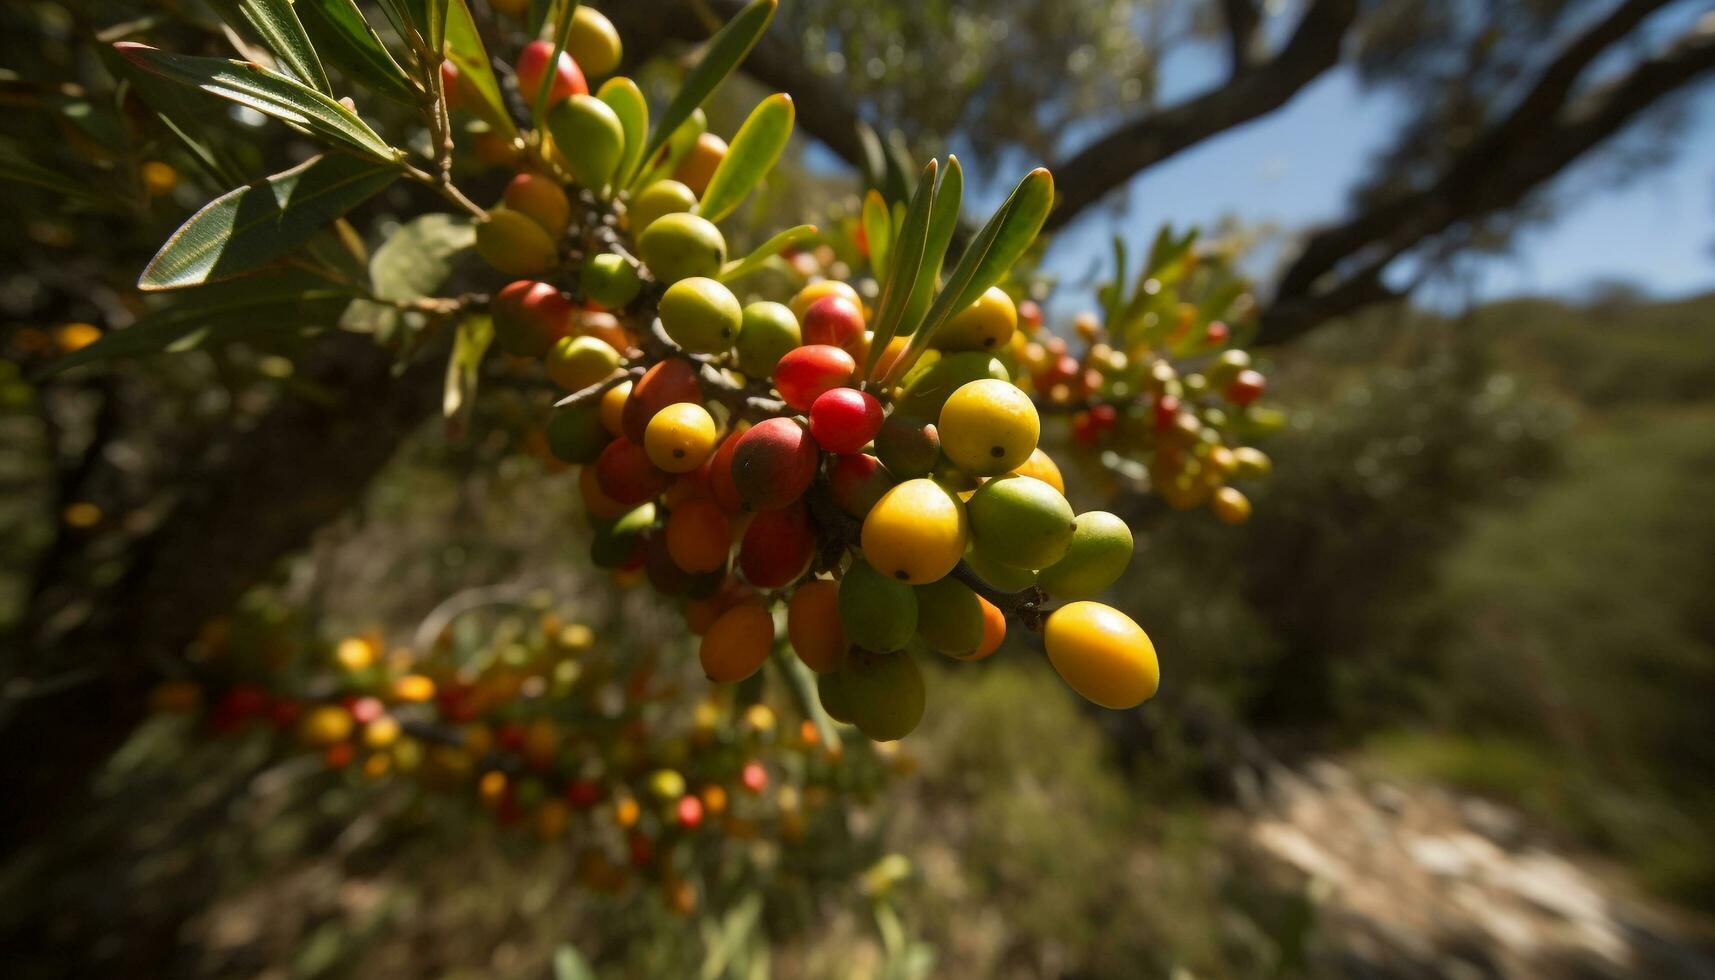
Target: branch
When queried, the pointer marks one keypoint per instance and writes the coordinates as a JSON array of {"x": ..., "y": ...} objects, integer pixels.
[{"x": 1242, "y": 20}]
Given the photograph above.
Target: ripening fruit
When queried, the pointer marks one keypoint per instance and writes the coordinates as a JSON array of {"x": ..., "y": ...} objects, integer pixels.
[
  {"x": 813, "y": 625},
  {"x": 856, "y": 481},
  {"x": 1231, "y": 506},
  {"x": 909, "y": 447},
  {"x": 680, "y": 437},
  {"x": 699, "y": 536},
  {"x": 987, "y": 324},
  {"x": 816, "y": 290},
  {"x": 1098, "y": 555},
  {"x": 831, "y": 693},
  {"x": 844, "y": 420},
  {"x": 773, "y": 463},
  {"x": 1227, "y": 367},
  {"x": 613, "y": 408},
  {"x": 1006, "y": 578},
  {"x": 1020, "y": 521},
  {"x": 835, "y": 320},
  {"x": 576, "y": 435},
  {"x": 514, "y": 244},
  {"x": 667, "y": 383},
  {"x": 738, "y": 643},
  {"x": 700, "y": 315},
  {"x": 620, "y": 543},
  {"x": 927, "y": 388},
  {"x": 883, "y": 692},
  {"x": 575, "y": 363},
  {"x": 804, "y": 373},
  {"x": 994, "y": 631},
  {"x": 539, "y": 199},
  {"x": 1102, "y": 654},
  {"x": 700, "y": 161},
  {"x": 720, "y": 482},
  {"x": 609, "y": 279},
  {"x": 588, "y": 134},
  {"x": 777, "y": 547},
  {"x": 1251, "y": 464},
  {"x": 949, "y": 617},
  {"x": 660, "y": 198},
  {"x": 568, "y": 78},
  {"x": 593, "y": 42},
  {"x": 597, "y": 503},
  {"x": 678, "y": 246},
  {"x": 529, "y": 317},
  {"x": 916, "y": 532},
  {"x": 325, "y": 725},
  {"x": 766, "y": 332},
  {"x": 627, "y": 475},
  {"x": 878, "y": 612},
  {"x": 989, "y": 427},
  {"x": 1246, "y": 387},
  {"x": 1041, "y": 466}
]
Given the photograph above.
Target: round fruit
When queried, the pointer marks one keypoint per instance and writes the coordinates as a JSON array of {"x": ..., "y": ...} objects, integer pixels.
[
  {"x": 805, "y": 373},
  {"x": 720, "y": 473},
  {"x": 699, "y": 536},
  {"x": 833, "y": 320},
  {"x": 514, "y": 244},
  {"x": 667, "y": 383},
  {"x": 1097, "y": 557},
  {"x": 593, "y": 42},
  {"x": 575, "y": 363},
  {"x": 856, "y": 481},
  {"x": 680, "y": 437},
  {"x": 576, "y": 435},
  {"x": 813, "y": 625},
  {"x": 1020, "y": 521},
  {"x": 613, "y": 407},
  {"x": 986, "y": 324},
  {"x": 529, "y": 317},
  {"x": 588, "y": 134},
  {"x": 777, "y": 547},
  {"x": 609, "y": 279},
  {"x": 699, "y": 162},
  {"x": 533, "y": 61},
  {"x": 878, "y": 613},
  {"x": 766, "y": 332},
  {"x": 1231, "y": 506},
  {"x": 738, "y": 643},
  {"x": 949, "y": 617},
  {"x": 679, "y": 246},
  {"x": 1246, "y": 387},
  {"x": 1251, "y": 464},
  {"x": 1041, "y": 466},
  {"x": 1003, "y": 577},
  {"x": 994, "y": 631},
  {"x": 816, "y": 290},
  {"x": 915, "y": 533},
  {"x": 660, "y": 198},
  {"x": 927, "y": 387},
  {"x": 1102, "y": 654},
  {"x": 832, "y": 695},
  {"x": 844, "y": 420},
  {"x": 884, "y": 693},
  {"x": 539, "y": 199},
  {"x": 700, "y": 315},
  {"x": 325, "y": 725},
  {"x": 773, "y": 463},
  {"x": 989, "y": 427},
  {"x": 626, "y": 475},
  {"x": 908, "y": 447},
  {"x": 597, "y": 503}
]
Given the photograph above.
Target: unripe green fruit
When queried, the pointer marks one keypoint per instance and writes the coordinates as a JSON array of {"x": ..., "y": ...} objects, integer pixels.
[
  {"x": 614, "y": 544},
  {"x": 949, "y": 617},
  {"x": 765, "y": 333},
  {"x": 879, "y": 613},
  {"x": 832, "y": 694},
  {"x": 1020, "y": 521},
  {"x": 575, "y": 363},
  {"x": 593, "y": 42},
  {"x": 661, "y": 198},
  {"x": 1096, "y": 558},
  {"x": 927, "y": 388},
  {"x": 700, "y": 315},
  {"x": 609, "y": 279},
  {"x": 884, "y": 693},
  {"x": 514, "y": 244},
  {"x": 588, "y": 133},
  {"x": 908, "y": 446},
  {"x": 680, "y": 246},
  {"x": 1006, "y": 578},
  {"x": 576, "y": 434}
]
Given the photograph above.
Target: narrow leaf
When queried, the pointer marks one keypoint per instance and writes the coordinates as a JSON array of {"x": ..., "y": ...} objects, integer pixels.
[
  {"x": 14, "y": 167},
  {"x": 739, "y": 268},
  {"x": 246, "y": 228},
  {"x": 414, "y": 261},
  {"x": 464, "y": 49},
  {"x": 749, "y": 158},
  {"x": 562, "y": 33},
  {"x": 900, "y": 168},
  {"x": 267, "y": 93},
  {"x": 435, "y": 17},
  {"x": 339, "y": 31},
  {"x": 907, "y": 264},
  {"x": 725, "y": 51},
  {"x": 874, "y": 157},
  {"x": 277, "y": 24},
  {"x": 475, "y": 332},
  {"x": 626, "y": 100},
  {"x": 986, "y": 261},
  {"x": 877, "y": 227},
  {"x": 943, "y": 221}
]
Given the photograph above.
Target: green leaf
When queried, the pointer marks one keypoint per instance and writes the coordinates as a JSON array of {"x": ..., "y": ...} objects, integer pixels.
[
  {"x": 246, "y": 228},
  {"x": 626, "y": 100},
  {"x": 562, "y": 32},
  {"x": 943, "y": 221},
  {"x": 877, "y": 230},
  {"x": 803, "y": 687},
  {"x": 750, "y": 157},
  {"x": 986, "y": 261},
  {"x": 14, "y": 167},
  {"x": 435, "y": 17},
  {"x": 900, "y": 168},
  {"x": 907, "y": 265},
  {"x": 725, "y": 51},
  {"x": 219, "y": 313},
  {"x": 874, "y": 157},
  {"x": 414, "y": 261},
  {"x": 739, "y": 268},
  {"x": 464, "y": 49},
  {"x": 267, "y": 93},
  {"x": 569, "y": 964},
  {"x": 1114, "y": 293},
  {"x": 277, "y": 24},
  {"x": 339, "y": 31},
  {"x": 470, "y": 343}
]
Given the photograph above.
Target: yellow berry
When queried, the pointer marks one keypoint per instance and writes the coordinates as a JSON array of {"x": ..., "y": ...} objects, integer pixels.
[
  {"x": 916, "y": 532},
  {"x": 680, "y": 437},
  {"x": 1102, "y": 654},
  {"x": 989, "y": 427},
  {"x": 987, "y": 324}
]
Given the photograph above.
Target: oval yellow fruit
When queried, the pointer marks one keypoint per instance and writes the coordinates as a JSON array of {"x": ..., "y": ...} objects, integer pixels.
[
  {"x": 916, "y": 532},
  {"x": 1102, "y": 654},
  {"x": 989, "y": 427}
]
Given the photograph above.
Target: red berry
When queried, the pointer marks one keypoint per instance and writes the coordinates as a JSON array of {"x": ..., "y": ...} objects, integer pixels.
[
  {"x": 690, "y": 812},
  {"x": 834, "y": 320},
  {"x": 805, "y": 372},
  {"x": 365, "y": 709},
  {"x": 450, "y": 85},
  {"x": 844, "y": 420},
  {"x": 1166, "y": 411},
  {"x": 642, "y": 849},
  {"x": 667, "y": 383},
  {"x": 773, "y": 463},
  {"x": 754, "y": 777},
  {"x": 1247, "y": 387},
  {"x": 529, "y": 317},
  {"x": 1084, "y": 431},
  {"x": 857, "y": 481},
  {"x": 1216, "y": 335},
  {"x": 624, "y": 473},
  {"x": 1103, "y": 417},
  {"x": 568, "y": 80},
  {"x": 511, "y": 736},
  {"x": 583, "y": 793},
  {"x": 720, "y": 481},
  {"x": 777, "y": 547},
  {"x": 285, "y": 713}
]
